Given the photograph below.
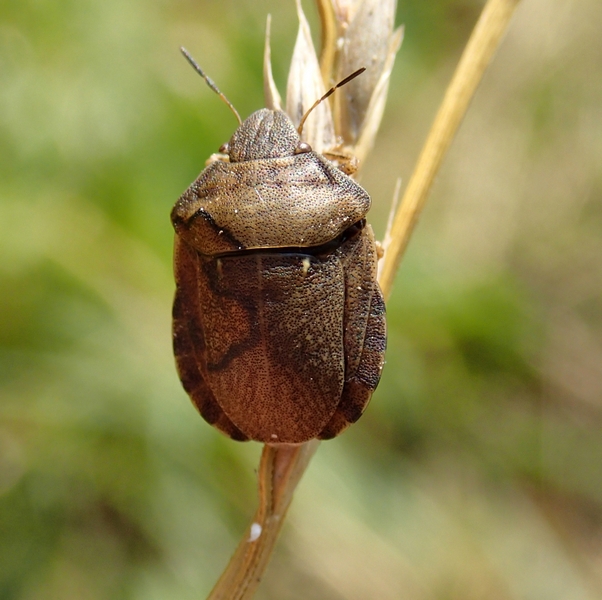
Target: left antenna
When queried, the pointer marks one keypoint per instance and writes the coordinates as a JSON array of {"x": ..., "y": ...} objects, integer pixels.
[{"x": 210, "y": 82}]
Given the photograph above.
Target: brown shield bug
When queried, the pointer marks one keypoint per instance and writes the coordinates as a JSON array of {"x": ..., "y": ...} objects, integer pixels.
[{"x": 278, "y": 320}]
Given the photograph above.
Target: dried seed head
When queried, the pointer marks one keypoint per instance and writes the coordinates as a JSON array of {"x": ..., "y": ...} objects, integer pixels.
[
  {"x": 367, "y": 40},
  {"x": 356, "y": 33},
  {"x": 270, "y": 91},
  {"x": 304, "y": 87}
]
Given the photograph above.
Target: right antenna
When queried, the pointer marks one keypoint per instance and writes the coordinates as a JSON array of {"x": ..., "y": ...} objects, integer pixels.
[{"x": 328, "y": 93}]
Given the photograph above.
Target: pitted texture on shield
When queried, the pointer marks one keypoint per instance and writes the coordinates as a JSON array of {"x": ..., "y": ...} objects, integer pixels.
[
  {"x": 265, "y": 134},
  {"x": 295, "y": 200}
]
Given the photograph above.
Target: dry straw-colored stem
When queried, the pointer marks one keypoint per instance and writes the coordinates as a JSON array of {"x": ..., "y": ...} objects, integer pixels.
[
  {"x": 481, "y": 46},
  {"x": 281, "y": 468}
]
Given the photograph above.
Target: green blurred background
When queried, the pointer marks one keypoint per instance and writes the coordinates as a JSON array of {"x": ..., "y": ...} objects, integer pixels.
[{"x": 476, "y": 473}]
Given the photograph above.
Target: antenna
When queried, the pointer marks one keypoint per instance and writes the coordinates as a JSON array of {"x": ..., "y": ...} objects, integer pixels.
[
  {"x": 212, "y": 85},
  {"x": 328, "y": 93}
]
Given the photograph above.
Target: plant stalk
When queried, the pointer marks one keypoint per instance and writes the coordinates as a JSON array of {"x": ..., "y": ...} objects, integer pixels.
[
  {"x": 281, "y": 467},
  {"x": 484, "y": 40}
]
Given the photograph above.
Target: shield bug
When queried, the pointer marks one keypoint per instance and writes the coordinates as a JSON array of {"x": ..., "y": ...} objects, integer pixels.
[{"x": 278, "y": 320}]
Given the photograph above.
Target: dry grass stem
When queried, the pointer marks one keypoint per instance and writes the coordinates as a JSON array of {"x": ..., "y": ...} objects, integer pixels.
[
  {"x": 351, "y": 31},
  {"x": 280, "y": 470},
  {"x": 479, "y": 51}
]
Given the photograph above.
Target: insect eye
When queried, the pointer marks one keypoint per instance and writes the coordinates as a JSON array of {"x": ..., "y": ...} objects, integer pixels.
[
  {"x": 302, "y": 148},
  {"x": 224, "y": 149}
]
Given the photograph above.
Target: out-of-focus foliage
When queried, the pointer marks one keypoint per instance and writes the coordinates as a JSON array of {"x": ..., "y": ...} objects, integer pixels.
[{"x": 477, "y": 470}]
